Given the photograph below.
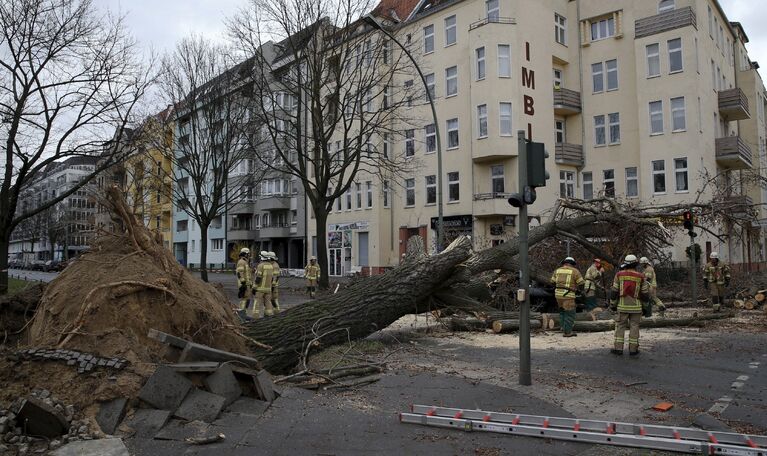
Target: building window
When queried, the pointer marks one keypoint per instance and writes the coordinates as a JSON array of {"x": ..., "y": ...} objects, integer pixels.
[
  {"x": 612, "y": 74},
  {"x": 450, "y": 30},
  {"x": 358, "y": 194},
  {"x": 597, "y": 76},
  {"x": 599, "y": 130},
  {"x": 497, "y": 179},
  {"x": 409, "y": 143},
  {"x": 385, "y": 146},
  {"x": 710, "y": 22},
  {"x": 602, "y": 29},
  {"x": 386, "y": 51},
  {"x": 505, "y": 119},
  {"x": 675, "y": 63},
  {"x": 409, "y": 192},
  {"x": 157, "y": 222},
  {"x": 567, "y": 184},
  {"x": 453, "y": 187},
  {"x": 560, "y": 29},
  {"x": 430, "y": 85},
  {"x": 504, "y": 61},
  {"x": 216, "y": 244},
  {"x": 482, "y": 120},
  {"x": 659, "y": 176},
  {"x": 385, "y": 102},
  {"x": 493, "y": 10},
  {"x": 452, "y": 133},
  {"x": 480, "y": 52},
  {"x": 557, "y": 78},
  {"x": 431, "y": 138},
  {"x": 451, "y": 81},
  {"x": 680, "y": 174},
  {"x": 428, "y": 39},
  {"x": 348, "y": 200},
  {"x": 559, "y": 131},
  {"x": 666, "y": 5},
  {"x": 369, "y": 193},
  {"x": 431, "y": 190},
  {"x": 608, "y": 181},
  {"x": 678, "y": 116},
  {"x": 181, "y": 225},
  {"x": 614, "y": 124},
  {"x": 588, "y": 186},
  {"x": 385, "y": 192},
  {"x": 656, "y": 117},
  {"x": 632, "y": 182},
  {"x": 653, "y": 60}
]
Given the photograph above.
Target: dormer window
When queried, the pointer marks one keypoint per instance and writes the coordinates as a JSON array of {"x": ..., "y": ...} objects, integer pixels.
[{"x": 665, "y": 5}]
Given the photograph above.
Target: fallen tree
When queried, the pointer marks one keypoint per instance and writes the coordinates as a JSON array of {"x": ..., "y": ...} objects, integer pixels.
[{"x": 375, "y": 303}]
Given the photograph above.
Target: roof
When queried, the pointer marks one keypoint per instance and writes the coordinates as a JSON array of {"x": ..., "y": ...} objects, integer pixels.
[
  {"x": 397, "y": 10},
  {"x": 297, "y": 41}
]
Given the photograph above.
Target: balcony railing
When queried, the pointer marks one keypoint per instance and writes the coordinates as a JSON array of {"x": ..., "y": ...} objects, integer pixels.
[
  {"x": 566, "y": 101},
  {"x": 733, "y": 104},
  {"x": 732, "y": 152},
  {"x": 492, "y": 204},
  {"x": 569, "y": 154},
  {"x": 663, "y": 22},
  {"x": 492, "y": 20}
]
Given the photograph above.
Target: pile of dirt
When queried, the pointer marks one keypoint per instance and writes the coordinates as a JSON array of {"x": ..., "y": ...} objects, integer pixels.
[{"x": 16, "y": 310}]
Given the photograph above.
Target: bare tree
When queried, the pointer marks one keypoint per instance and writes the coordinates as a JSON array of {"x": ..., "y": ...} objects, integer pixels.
[
  {"x": 328, "y": 98},
  {"x": 70, "y": 77},
  {"x": 214, "y": 133}
]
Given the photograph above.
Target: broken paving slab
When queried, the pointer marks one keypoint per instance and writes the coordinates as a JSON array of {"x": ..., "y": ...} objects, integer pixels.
[
  {"x": 200, "y": 405},
  {"x": 165, "y": 389},
  {"x": 100, "y": 447},
  {"x": 199, "y": 352},
  {"x": 38, "y": 418},
  {"x": 224, "y": 383},
  {"x": 709, "y": 423},
  {"x": 248, "y": 406},
  {"x": 147, "y": 422},
  {"x": 111, "y": 413},
  {"x": 181, "y": 430},
  {"x": 265, "y": 386}
]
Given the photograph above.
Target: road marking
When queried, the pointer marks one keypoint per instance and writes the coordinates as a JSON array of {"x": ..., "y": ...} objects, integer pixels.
[
  {"x": 742, "y": 378},
  {"x": 720, "y": 405},
  {"x": 736, "y": 385},
  {"x": 754, "y": 365}
]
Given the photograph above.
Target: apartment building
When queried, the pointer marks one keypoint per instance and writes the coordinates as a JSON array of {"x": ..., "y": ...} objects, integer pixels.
[
  {"x": 67, "y": 228},
  {"x": 652, "y": 102}
]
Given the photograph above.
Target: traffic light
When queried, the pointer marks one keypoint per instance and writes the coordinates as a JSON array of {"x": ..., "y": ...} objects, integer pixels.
[
  {"x": 536, "y": 164},
  {"x": 688, "y": 220}
]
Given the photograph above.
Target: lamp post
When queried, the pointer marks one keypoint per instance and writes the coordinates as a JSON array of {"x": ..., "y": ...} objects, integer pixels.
[{"x": 370, "y": 19}]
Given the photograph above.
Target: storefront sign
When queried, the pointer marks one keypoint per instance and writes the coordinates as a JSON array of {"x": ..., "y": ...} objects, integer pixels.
[
  {"x": 349, "y": 226},
  {"x": 454, "y": 222},
  {"x": 496, "y": 229}
]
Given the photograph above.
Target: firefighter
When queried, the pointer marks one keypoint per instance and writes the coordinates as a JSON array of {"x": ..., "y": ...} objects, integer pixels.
[
  {"x": 593, "y": 279},
  {"x": 630, "y": 287},
  {"x": 275, "y": 282},
  {"x": 244, "y": 278},
  {"x": 652, "y": 281},
  {"x": 716, "y": 277},
  {"x": 263, "y": 282},
  {"x": 312, "y": 273},
  {"x": 567, "y": 280}
]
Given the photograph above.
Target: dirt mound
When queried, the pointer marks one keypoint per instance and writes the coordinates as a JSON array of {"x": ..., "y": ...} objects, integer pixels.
[
  {"x": 16, "y": 310},
  {"x": 106, "y": 301}
]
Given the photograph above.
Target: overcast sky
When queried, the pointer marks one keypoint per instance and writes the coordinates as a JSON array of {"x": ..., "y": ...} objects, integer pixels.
[{"x": 160, "y": 23}]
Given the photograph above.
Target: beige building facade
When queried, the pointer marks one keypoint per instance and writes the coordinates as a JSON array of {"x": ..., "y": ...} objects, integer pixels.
[{"x": 653, "y": 102}]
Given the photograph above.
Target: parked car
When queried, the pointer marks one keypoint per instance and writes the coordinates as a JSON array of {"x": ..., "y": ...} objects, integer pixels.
[
  {"x": 36, "y": 265},
  {"x": 52, "y": 266}
]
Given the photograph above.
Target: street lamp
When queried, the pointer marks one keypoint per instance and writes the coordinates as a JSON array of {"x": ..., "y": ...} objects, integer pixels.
[{"x": 370, "y": 19}]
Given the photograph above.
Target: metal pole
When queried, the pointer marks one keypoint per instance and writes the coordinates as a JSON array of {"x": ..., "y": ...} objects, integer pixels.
[
  {"x": 694, "y": 272},
  {"x": 524, "y": 268},
  {"x": 440, "y": 228}
]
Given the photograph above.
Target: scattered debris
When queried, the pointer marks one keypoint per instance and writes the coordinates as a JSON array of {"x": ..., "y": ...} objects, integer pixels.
[
  {"x": 663, "y": 406},
  {"x": 165, "y": 389},
  {"x": 102, "y": 447},
  {"x": 110, "y": 415},
  {"x": 191, "y": 351},
  {"x": 85, "y": 362}
]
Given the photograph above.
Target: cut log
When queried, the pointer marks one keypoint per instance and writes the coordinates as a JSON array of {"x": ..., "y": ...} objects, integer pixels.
[
  {"x": 750, "y": 304},
  {"x": 760, "y": 296},
  {"x": 738, "y": 303},
  {"x": 504, "y": 326},
  {"x": 467, "y": 324},
  {"x": 654, "y": 322}
]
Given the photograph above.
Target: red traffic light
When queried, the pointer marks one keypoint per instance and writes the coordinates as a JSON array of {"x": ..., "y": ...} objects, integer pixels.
[{"x": 689, "y": 220}]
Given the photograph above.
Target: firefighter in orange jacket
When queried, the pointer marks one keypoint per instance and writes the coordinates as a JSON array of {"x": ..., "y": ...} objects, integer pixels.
[{"x": 629, "y": 289}]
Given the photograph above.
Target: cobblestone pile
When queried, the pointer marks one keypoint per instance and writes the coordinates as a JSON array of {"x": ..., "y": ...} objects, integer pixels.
[{"x": 85, "y": 362}]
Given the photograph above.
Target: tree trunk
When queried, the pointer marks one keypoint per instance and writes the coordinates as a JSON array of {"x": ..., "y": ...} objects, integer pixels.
[
  {"x": 204, "y": 252},
  {"x": 504, "y": 326},
  {"x": 654, "y": 322},
  {"x": 4, "y": 244},
  {"x": 467, "y": 324},
  {"x": 360, "y": 310},
  {"x": 321, "y": 221}
]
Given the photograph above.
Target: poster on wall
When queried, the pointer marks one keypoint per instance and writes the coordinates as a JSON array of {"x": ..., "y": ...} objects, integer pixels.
[{"x": 335, "y": 239}]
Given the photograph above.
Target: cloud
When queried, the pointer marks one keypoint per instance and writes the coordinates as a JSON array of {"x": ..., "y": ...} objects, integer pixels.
[{"x": 752, "y": 18}]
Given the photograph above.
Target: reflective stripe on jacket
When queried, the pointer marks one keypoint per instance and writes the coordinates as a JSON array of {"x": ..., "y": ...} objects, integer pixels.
[
  {"x": 566, "y": 279},
  {"x": 265, "y": 272},
  {"x": 716, "y": 274},
  {"x": 312, "y": 271},
  {"x": 630, "y": 284}
]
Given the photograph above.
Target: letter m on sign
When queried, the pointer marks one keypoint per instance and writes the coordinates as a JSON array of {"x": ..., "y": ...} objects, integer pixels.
[{"x": 528, "y": 78}]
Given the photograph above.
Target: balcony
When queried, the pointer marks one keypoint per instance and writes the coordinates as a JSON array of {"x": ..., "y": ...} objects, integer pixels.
[
  {"x": 566, "y": 102},
  {"x": 492, "y": 205},
  {"x": 738, "y": 204},
  {"x": 733, "y": 104},
  {"x": 242, "y": 234},
  {"x": 275, "y": 203},
  {"x": 663, "y": 22},
  {"x": 492, "y": 20},
  {"x": 568, "y": 154},
  {"x": 274, "y": 231},
  {"x": 733, "y": 153}
]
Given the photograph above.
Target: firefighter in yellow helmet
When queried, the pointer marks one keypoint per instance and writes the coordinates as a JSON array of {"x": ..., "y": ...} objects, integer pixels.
[
  {"x": 263, "y": 282},
  {"x": 593, "y": 279},
  {"x": 716, "y": 277},
  {"x": 652, "y": 280},
  {"x": 630, "y": 288},
  {"x": 312, "y": 274},
  {"x": 567, "y": 280},
  {"x": 244, "y": 278},
  {"x": 275, "y": 282}
]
